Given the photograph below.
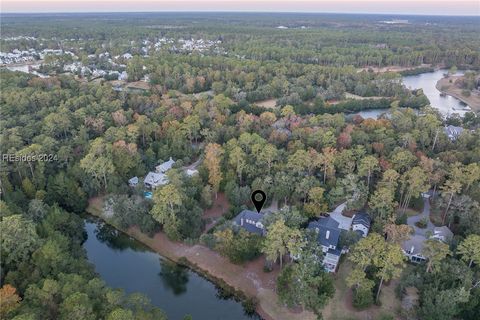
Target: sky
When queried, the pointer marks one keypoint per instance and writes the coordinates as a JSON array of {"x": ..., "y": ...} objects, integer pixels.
[{"x": 419, "y": 7}]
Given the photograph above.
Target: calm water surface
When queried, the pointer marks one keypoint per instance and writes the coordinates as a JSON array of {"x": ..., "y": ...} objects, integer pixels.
[
  {"x": 426, "y": 82},
  {"x": 123, "y": 262}
]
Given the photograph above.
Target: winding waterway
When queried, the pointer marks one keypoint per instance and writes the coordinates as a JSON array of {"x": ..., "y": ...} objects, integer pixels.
[
  {"x": 447, "y": 105},
  {"x": 123, "y": 262}
]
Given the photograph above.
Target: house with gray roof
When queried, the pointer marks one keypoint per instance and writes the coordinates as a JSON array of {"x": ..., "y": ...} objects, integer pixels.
[
  {"x": 164, "y": 167},
  {"x": 328, "y": 233},
  {"x": 133, "y": 182},
  {"x": 442, "y": 233},
  {"x": 251, "y": 221},
  {"x": 361, "y": 223},
  {"x": 412, "y": 248},
  {"x": 153, "y": 180}
]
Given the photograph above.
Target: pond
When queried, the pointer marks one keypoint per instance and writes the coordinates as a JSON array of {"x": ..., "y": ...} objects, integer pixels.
[
  {"x": 427, "y": 82},
  {"x": 123, "y": 262}
]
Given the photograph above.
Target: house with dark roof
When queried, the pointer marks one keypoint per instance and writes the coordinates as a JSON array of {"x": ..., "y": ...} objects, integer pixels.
[
  {"x": 328, "y": 234},
  {"x": 453, "y": 132},
  {"x": 251, "y": 221},
  {"x": 361, "y": 223}
]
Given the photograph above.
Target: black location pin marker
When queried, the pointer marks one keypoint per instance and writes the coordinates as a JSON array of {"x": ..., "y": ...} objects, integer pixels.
[{"x": 258, "y": 198}]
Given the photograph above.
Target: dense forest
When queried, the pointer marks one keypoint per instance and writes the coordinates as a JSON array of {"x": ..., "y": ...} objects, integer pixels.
[{"x": 65, "y": 139}]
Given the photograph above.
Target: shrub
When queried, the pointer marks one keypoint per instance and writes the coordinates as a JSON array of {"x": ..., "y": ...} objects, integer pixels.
[
  {"x": 250, "y": 304},
  {"x": 208, "y": 240},
  {"x": 422, "y": 224},
  {"x": 362, "y": 298}
]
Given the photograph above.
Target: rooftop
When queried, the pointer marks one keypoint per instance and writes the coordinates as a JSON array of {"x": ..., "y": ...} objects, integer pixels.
[
  {"x": 362, "y": 218},
  {"x": 250, "y": 221},
  {"x": 327, "y": 231}
]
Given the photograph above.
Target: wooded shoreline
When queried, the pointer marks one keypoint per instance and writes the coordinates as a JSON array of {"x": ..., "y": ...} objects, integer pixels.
[
  {"x": 473, "y": 101},
  {"x": 265, "y": 301}
]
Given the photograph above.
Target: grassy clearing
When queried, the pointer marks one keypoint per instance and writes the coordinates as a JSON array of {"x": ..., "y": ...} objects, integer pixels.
[{"x": 340, "y": 306}]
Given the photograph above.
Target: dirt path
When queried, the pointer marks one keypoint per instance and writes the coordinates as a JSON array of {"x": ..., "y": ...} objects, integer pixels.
[{"x": 248, "y": 278}]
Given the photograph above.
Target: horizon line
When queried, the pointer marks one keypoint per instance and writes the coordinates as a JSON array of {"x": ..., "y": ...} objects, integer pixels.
[{"x": 243, "y": 11}]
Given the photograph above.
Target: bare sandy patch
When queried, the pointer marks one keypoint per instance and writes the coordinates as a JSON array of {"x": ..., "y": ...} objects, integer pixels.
[{"x": 268, "y": 103}]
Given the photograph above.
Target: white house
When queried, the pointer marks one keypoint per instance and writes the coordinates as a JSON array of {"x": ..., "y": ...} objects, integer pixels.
[
  {"x": 127, "y": 56},
  {"x": 164, "y": 167},
  {"x": 133, "y": 182},
  {"x": 191, "y": 172},
  {"x": 361, "y": 222},
  {"x": 123, "y": 76}
]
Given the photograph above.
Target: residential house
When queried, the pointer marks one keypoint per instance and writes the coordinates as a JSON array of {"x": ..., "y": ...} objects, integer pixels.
[
  {"x": 191, "y": 172},
  {"x": 361, "y": 223},
  {"x": 127, "y": 56},
  {"x": 154, "y": 180},
  {"x": 442, "y": 233},
  {"x": 158, "y": 178},
  {"x": 453, "y": 132},
  {"x": 133, "y": 182},
  {"x": 164, "y": 167},
  {"x": 251, "y": 221},
  {"x": 412, "y": 248},
  {"x": 123, "y": 76},
  {"x": 328, "y": 234}
]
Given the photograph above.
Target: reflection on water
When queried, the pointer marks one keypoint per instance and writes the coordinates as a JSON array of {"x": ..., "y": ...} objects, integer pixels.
[
  {"x": 447, "y": 105},
  {"x": 174, "y": 276},
  {"x": 123, "y": 262},
  {"x": 116, "y": 240}
]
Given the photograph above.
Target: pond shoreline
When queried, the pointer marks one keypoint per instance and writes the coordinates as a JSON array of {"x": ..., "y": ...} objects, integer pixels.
[
  {"x": 473, "y": 101},
  {"x": 218, "y": 270}
]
